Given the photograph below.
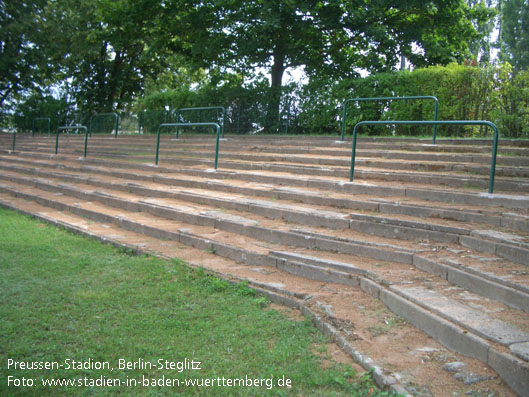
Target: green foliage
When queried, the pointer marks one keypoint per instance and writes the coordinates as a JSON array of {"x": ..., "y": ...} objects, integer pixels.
[
  {"x": 327, "y": 38},
  {"x": 23, "y": 62},
  {"x": 106, "y": 49},
  {"x": 38, "y": 106},
  {"x": 514, "y": 33},
  {"x": 510, "y": 108},
  {"x": 483, "y": 14},
  {"x": 465, "y": 92},
  {"x": 245, "y": 103}
]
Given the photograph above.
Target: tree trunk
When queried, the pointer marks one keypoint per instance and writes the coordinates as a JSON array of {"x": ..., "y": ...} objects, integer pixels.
[
  {"x": 274, "y": 102},
  {"x": 114, "y": 80}
]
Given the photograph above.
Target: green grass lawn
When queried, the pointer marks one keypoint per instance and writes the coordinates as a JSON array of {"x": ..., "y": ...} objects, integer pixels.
[{"x": 65, "y": 298}]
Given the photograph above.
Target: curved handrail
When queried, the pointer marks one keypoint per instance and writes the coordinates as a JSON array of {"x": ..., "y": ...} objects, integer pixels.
[
  {"x": 391, "y": 98},
  {"x": 106, "y": 114},
  {"x": 432, "y": 122},
  {"x": 40, "y": 118},
  {"x": 222, "y": 108},
  {"x": 73, "y": 127},
  {"x": 216, "y": 125}
]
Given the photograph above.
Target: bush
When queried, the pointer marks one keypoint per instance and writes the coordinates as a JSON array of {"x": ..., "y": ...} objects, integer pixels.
[
  {"x": 40, "y": 106},
  {"x": 465, "y": 92}
]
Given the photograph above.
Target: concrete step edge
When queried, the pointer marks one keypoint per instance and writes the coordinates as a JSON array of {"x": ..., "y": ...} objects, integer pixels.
[
  {"x": 422, "y": 177},
  {"x": 368, "y": 152},
  {"x": 256, "y": 232},
  {"x": 514, "y": 253},
  {"x": 504, "y": 294},
  {"x": 508, "y": 201},
  {"x": 513, "y": 370},
  {"x": 507, "y": 219},
  {"x": 382, "y": 377}
]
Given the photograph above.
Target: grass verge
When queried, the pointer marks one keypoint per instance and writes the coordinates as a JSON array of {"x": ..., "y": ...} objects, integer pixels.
[{"x": 68, "y": 301}]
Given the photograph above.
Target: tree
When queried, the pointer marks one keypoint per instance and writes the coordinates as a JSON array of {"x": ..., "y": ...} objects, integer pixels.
[
  {"x": 483, "y": 17},
  {"x": 514, "y": 33},
  {"x": 41, "y": 104},
  {"x": 332, "y": 37},
  {"x": 22, "y": 59},
  {"x": 106, "y": 48}
]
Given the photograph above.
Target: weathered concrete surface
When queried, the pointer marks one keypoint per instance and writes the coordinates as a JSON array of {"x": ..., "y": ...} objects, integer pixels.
[
  {"x": 479, "y": 322},
  {"x": 521, "y": 350},
  {"x": 442, "y": 330}
]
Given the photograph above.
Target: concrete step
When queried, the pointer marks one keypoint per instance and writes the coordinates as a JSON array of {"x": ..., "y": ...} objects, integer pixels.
[
  {"x": 376, "y": 224},
  {"x": 506, "y": 245},
  {"x": 511, "y": 147},
  {"x": 404, "y": 205},
  {"x": 516, "y": 183},
  {"x": 206, "y": 222},
  {"x": 230, "y": 151},
  {"x": 326, "y": 184},
  {"x": 363, "y": 160},
  {"x": 295, "y": 140},
  {"x": 514, "y": 156},
  {"x": 423, "y": 172},
  {"x": 474, "y": 340},
  {"x": 248, "y": 225}
]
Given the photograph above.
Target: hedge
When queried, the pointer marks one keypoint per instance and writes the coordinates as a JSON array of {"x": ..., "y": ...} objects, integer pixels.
[{"x": 465, "y": 92}]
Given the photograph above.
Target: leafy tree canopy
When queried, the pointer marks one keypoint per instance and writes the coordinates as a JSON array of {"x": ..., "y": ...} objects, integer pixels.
[
  {"x": 332, "y": 37},
  {"x": 21, "y": 47},
  {"x": 515, "y": 33},
  {"x": 108, "y": 50}
]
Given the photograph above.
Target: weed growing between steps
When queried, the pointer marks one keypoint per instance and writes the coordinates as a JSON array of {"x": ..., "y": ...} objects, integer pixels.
[{"x": 65, "y": 297}]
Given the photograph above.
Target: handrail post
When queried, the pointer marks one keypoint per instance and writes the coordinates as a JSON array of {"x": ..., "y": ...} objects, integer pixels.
[
  {"x": 217, "y": 128},
  {"x": 85, "y": 141},
  {"x": 116, "y": 116},
  {"x": 221, "y": 108},
  {"x": 353, "y": 154},
  {"x": 343, "y": 119},
  {"x": 158, "y": 144},
  {"x": 436, "y": 101},
  {"x": 217, "y": 146},
  {"x": 73, "y": 127},
  {"x": 493, "y": 160},
  {"x": 40, "y": 118}
]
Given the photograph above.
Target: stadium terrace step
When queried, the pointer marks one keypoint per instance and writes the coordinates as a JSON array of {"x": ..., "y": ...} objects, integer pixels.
[
  {"x": 510, "y": 153},
  {"x": 422, "y": 192},
  {"x": 506, "y": 245},
  {"x": 229, "y": 222}
]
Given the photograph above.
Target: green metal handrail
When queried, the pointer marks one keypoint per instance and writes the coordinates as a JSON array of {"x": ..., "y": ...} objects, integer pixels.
[
  {"x": 216, "y": 125},
  {"x": 391, "y": 98},
  {"x": 430, "y": 122},
  {"x": 14, "y": 139},
  {"x": 116, "y": 116},
  {"x": 73, "y": 127},
  {"x": 40, "y": 118},
  {"x": 204, "y": 108}
]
